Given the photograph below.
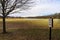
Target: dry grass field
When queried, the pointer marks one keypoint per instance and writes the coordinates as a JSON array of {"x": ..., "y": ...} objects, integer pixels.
[{"x": 29, "y": 29}]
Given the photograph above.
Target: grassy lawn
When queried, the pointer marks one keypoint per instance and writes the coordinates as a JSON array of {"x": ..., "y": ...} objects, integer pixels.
[
  {"x": 30, "y": 23},
  {"x": 30, "y": 34},
  {"x": 29, "y": 29}
]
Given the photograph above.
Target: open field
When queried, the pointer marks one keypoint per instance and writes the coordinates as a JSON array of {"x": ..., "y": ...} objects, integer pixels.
[
  {"x": 30, "y": 34},
  {"x": 29, "y": 23},
  {"x": 29, "y": 29}
]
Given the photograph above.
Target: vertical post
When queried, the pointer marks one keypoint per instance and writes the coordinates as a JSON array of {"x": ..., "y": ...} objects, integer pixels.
[
  {"x": 50, "y": 27},
  {"x": 50, "y": 33}
]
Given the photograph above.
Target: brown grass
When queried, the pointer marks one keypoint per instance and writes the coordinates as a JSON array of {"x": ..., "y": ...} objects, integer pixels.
[{"x": 19, "y": 29}]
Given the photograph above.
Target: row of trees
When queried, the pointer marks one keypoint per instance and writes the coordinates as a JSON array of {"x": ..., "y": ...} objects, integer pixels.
[
  {"x": 7, "y": 6},
  {"x": 57, "y": 15}
]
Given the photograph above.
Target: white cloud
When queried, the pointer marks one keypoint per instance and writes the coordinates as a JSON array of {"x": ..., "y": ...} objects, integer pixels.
[{"x": 43, "y": 7}]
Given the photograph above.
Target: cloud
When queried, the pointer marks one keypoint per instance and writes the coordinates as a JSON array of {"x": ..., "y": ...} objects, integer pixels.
[{"x": 43, "y": 7}]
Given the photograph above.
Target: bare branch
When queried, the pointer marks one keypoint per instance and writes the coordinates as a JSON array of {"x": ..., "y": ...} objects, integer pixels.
[{"x": 11, "y": 5}]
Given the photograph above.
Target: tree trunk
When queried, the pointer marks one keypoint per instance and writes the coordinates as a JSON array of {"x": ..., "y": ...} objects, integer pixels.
[{"x": 4, "y": 25}]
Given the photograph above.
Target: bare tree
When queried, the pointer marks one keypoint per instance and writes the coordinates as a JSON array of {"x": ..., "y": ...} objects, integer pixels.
[{"x": 7, "y": 6}]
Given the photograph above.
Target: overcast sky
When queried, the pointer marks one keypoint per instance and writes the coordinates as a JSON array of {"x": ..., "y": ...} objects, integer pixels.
[{"x": 42, "y": 7}]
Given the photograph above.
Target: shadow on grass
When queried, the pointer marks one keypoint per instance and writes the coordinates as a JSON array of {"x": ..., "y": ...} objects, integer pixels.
[{"x": 31, "y": 34}]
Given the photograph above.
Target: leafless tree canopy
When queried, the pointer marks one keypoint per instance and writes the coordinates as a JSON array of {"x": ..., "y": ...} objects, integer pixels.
[{"x": 10, "y": 5}]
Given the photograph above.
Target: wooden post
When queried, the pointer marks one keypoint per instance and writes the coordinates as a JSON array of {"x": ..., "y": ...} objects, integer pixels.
[{"x": 50, "y": 27}]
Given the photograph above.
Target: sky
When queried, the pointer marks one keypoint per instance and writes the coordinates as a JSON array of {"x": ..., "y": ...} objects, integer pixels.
[{"x": 41, "y": 8}]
